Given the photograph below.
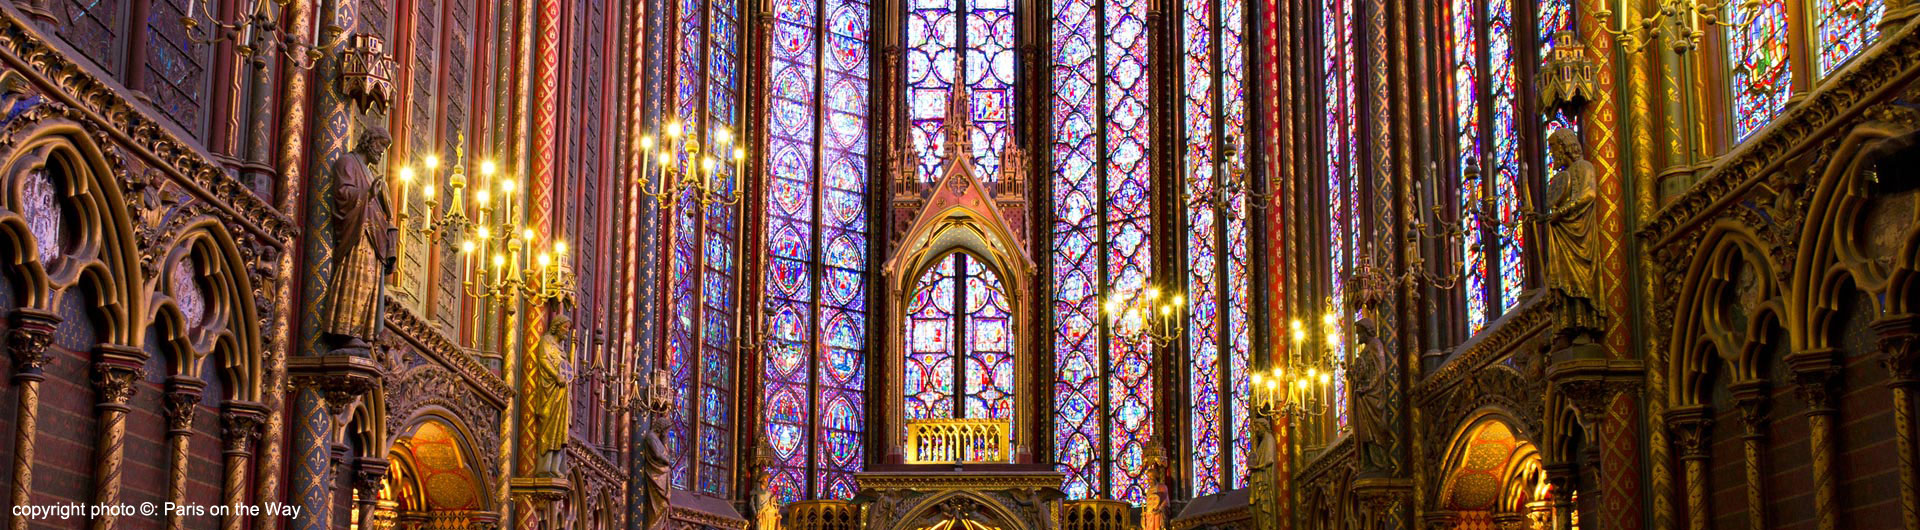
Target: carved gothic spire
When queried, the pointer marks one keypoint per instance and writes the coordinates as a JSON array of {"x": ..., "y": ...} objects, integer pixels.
[{"x": 959, "y": 121}]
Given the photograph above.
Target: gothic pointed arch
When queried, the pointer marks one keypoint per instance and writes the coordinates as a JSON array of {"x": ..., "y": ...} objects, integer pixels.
[{"x": 959, "y": 217}]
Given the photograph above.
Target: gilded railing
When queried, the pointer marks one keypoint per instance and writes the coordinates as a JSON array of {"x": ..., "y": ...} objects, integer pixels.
[
  {"x": 949, "y": 441},
  {"x": 821, "y": 515},
  {"x": 1096, "y": 514}
]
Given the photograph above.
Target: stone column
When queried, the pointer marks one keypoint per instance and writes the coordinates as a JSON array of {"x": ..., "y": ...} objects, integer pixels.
[
  {"x": 1560, "y": 491},
  {"x": 27, "y": 340},
  {"x": 1752, "y": 399},
  {"x": 1813, "y": 376},
  {"x": 116, "y": 371},
  {"x": 369, "y": 474},
  {"x": 1510, "y": 521},
  {"x": 307, "y": 484},
  {"x": 240, "y": 425},
  {"x": 182, "y": 400},
  {"x": 1691, "y": 426},
  {"x": 1899, "y": 339}
]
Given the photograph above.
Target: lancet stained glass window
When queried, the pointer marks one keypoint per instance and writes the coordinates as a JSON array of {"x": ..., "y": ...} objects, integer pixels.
[
  {"x": 1486, "y": 114},
  {"x": 1758, "y": 69},
  {"x": 960, "y": 41},
  {"x": 701, "y": 287},
  {"x": 1843, "y": 28},
  {"x": 1101, "y": 243},
  {"x": 817, "y": 225},
  {"x": 1342, "y": 158},
  {"x": 1214, "y": 126},
  {"x": 959, "y": 359}
]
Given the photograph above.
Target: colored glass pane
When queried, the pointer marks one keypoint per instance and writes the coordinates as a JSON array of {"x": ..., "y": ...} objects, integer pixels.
[
  {"x": 1101, "y": 241},
  {"x": 702, "y": 302},
  {"x": 1505, "y": 134},
  {"x": 1213, "y": 125},
  {"x": 816, "y": 246},
  {"x": 1843, "y": 28},
  {"x": 1757, "y": 57},
  {"x": 929, "y": 375},
  {"x": 1203, "y": 370},
  {"x": 1466, "y": 82},
  {"x": 959, "y": 361},
  {"x": 960, "y": 41},
  {"x": 1342, "y": 155}
]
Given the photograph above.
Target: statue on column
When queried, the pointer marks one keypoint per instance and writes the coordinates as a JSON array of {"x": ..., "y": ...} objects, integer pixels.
[
  {"x": 1372, "y": 432},
  {"x": 1572, "y": 277},
  {"x": 549, "y": 403},
  {"x": 761, "y": 503},
  {"x": 1153, "y": 509},
  {"x": 656, "y": 465},
  {"x": 363, "y": 243},
  {"x": 1264, "y": 495}
]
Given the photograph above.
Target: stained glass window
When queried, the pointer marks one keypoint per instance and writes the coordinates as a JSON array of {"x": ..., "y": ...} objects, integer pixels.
[
  {"x": 815, "y": 369},
  {"x": 176, "y": 67},
  {"x": 959, "y": 359},
  {"x": 1486, "y": 114},
  {"x": 1843, "y": 28},
  {"x": 963, "y": 41},
  {"x": 1342, "y": 158},
  {"x": 1214, "y": 125},
  {"x": 1760, "y": 77},
  {"x": 1100, "y": 234},
  {"x": 701, "y": 287}
]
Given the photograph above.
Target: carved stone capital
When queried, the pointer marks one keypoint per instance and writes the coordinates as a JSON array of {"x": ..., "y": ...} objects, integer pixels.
[
  {"x": 1899, "y": 341},
  {"x": 539, "y": 489},
  {"x": 30, "y": 332},
  {"x": 1813, "y": 375},
  {"x": 1691, "y": 427},
  {"x": 242, "y": 422},
  {"x": 1510, "y": 521},
  {"x": 1753, "y": 399},
  {"x": 1439, "y": 520},
  {"x": 368, "y": 474},
  {"x": 115, "y": 384},
  {"x": 1590, "y": 382},
  {"x": 182, "y": 399},
  {"x": 340, "y": 378}
]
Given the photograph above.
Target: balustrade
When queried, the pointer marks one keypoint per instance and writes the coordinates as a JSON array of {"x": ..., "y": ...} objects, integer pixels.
[{"x": 954, "y": 441}]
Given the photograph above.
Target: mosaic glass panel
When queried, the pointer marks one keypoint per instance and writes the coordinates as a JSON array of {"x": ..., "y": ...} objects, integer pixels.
[
  {"x": 1761, "y": 79},
  {"x": 1843, "y": 28}
]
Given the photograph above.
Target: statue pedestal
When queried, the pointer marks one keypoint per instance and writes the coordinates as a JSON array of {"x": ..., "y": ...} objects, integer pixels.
[
  {"x": 539, "y": 497},
  {"x": 1003, "y": 496}
]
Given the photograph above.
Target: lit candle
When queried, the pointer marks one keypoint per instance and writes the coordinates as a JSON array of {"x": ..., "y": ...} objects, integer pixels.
[
  {"x": 466, "y": 258},
  {"x": 406, "y": 184},
  {"x": 706, "y": 174},
  {"x": 646, "y": 150},
  {"x": 739, "y": 163},
  {"x": 507, "y": 188}
]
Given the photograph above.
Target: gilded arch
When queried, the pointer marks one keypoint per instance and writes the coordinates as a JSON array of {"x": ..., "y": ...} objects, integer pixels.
[
  {"x": 1851, "y": 234},
  {"x": 959, "y": 216},
  {"x": 47, "y": 142},
  {"x": 948, "y": 505},
  {"x": 1703, "y": 330}
]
